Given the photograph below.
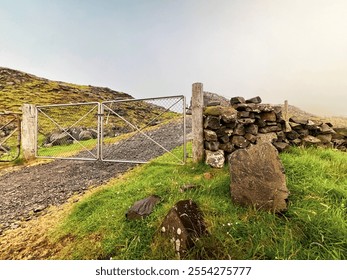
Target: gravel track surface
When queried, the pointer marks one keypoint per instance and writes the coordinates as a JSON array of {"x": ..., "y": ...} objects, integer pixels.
[{"x": 28, "y": 191}]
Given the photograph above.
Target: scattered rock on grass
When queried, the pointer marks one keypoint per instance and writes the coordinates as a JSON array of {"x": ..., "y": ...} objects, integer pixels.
[
  {"x": 142, "y": 208},
  {"x": 183, "y": 225}
]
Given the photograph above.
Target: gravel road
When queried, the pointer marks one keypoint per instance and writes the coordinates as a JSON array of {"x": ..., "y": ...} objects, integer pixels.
[{"x": 28, "y": 191}]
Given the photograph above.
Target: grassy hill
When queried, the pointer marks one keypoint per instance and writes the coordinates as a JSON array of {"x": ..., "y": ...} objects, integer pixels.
[{"x": 17, "y": 87}]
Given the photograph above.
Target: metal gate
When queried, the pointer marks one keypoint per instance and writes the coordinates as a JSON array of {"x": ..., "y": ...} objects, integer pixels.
[
  {"x": 10, "y": 136},
  {"x": 131, "y": 130}
]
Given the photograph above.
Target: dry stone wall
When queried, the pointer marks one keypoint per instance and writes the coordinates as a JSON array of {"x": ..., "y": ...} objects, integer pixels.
[{"x": 247, "y": 122}]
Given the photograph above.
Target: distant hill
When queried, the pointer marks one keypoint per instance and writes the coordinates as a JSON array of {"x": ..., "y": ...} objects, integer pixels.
[
  {"x": 18, "y": 87},
  {"x": 295, "y": 111}
]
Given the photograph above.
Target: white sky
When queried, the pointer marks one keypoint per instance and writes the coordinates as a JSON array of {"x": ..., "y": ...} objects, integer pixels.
[{"x": 277, "y": 49}]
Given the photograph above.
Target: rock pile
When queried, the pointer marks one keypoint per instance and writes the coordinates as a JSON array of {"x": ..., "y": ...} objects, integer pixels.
[
  {"x": 68, "y": 136},
  {"x": 239, "y": 125},
  {"x": 247, "y": 122},
  {"x": 310, "y": 132}
]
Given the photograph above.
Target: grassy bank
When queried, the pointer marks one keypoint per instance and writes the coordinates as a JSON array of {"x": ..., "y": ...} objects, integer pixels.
[{"x": 313, "y": 228}]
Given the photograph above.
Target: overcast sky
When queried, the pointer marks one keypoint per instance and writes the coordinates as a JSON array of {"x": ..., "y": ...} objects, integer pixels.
[{"x": 277, "y": 49}]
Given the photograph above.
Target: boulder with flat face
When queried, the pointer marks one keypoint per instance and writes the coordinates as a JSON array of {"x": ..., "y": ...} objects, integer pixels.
[{"x": 257, "y": 178}]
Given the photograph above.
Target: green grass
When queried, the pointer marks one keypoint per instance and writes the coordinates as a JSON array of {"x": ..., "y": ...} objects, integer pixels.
[{"x": 314, "y": 227}]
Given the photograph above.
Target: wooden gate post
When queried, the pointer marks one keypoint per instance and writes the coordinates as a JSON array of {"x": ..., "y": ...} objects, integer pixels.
[
  {"x": 197, "y": 122},
  {"x": 28, "y": 131},
  {"x": 286, "y": 110}
]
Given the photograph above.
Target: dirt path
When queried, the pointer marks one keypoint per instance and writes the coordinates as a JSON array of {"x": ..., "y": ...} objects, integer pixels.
[{"x": 29, "y": 191}]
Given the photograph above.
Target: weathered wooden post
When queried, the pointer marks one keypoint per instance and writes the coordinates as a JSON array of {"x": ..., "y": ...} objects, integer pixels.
[
  {"x": 28, "y": 131},
  {"x": 197, "y": 122},
  {"x": 286, "y": 110}
]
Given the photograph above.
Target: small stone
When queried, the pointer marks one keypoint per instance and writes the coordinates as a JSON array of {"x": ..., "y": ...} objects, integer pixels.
[
  {"x": 251, "y": 138},
  {"x": 266, "y": 138},
  {"x": 292, "y": 135},
  {"x": 325, "y": 138},
  {"x": 142, "y": 208},
  {"x": 215, "y": 159},
  {"x": 341, "y": 131},
  {"x": 227, "y": 147},
  {"x": 240, "y": 142},
  {"x": 240, "y": 130},
  {"x": 210, "y": 135},
  {"x": 246, "y": 121},
  {"x": 213, "y": 111},
  {"x": 252, "y": 129},
  {"x": 212, "y": 122},
  {"x": 213, "y": 103},
  {"x": 281, "y": 146},
  {"x": 39, "y": 208},
  {"x": 212, "y": 146},
  {"x": 243, "y": 114},
  {"x": 310, "y": 140},
  {"x": 255, "y": 100},
  {"x": 326, "y": 129},
  {"x": 298, "y": 120},
  {"x": 224, "y": 139},
  {"x": 237, "y": 100},
  {"x": 273, "y": 128}
]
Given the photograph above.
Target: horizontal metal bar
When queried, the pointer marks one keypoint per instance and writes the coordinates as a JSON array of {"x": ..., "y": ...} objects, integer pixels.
[
  {"x": 143, "y": 99},
  {"x": 124, "y": 161},
  {"x": 70, "y": 104},
  {"x": 68, "y": 158}
]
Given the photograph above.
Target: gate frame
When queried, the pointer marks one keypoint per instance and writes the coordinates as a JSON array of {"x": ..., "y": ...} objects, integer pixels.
[
  {"x": 17, "y": 119},
  {"x": 100, "y": 120},
  {"x": 54, "y": 122},
  {"x": 139, "y": 130}
]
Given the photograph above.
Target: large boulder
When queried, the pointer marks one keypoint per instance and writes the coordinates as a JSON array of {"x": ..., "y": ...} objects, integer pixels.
[
  {"x": 183, "y": 225},
  {"x": 85, "y": 135},
  {"x": 257, "y": 178},
  {"x": 59, "y": 138}
]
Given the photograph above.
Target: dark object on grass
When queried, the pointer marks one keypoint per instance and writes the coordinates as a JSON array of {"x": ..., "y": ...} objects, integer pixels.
[{"x": 142, "y": 208}]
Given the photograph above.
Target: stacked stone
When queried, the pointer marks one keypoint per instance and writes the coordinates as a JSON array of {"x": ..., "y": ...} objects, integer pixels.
[
  {"x": 247, "y": 122},
  {"x": 311, "y": 132},
  {"x": 243, "y": 123}
]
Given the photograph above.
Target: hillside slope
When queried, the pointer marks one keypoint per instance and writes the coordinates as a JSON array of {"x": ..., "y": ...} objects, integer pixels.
[
  {"x": 17, "y": 87},
  {"x": 297, "y": 112}
]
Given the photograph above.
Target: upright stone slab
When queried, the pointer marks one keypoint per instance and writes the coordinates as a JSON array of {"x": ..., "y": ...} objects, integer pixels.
[
  {"x": 257, "y": 178},
  {"x": 183, "y": 225}
]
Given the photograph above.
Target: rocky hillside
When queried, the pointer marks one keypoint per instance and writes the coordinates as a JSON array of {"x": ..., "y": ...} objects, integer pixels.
[
  {"x": 17, "y": 87},
  {"x": 294, "y": 111}
]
